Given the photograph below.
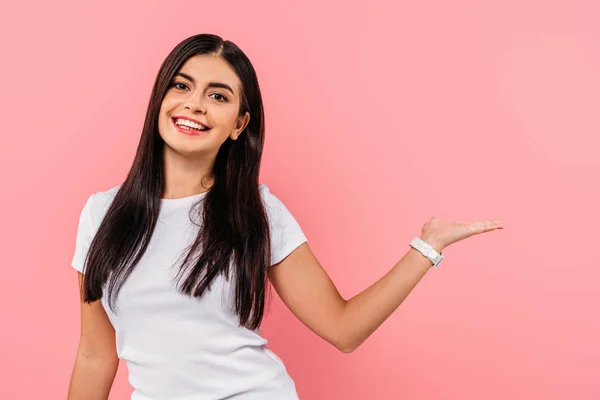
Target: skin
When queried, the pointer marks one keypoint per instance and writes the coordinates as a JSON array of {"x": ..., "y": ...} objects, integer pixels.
[
  {"x": 96, "y": 362},
  {"x": 309, "y": 293},
  {"x": 300, "y": 280},
  {"x": 186, "y": 158}
]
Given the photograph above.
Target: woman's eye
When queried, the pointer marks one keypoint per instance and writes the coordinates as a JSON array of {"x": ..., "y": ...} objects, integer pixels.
[
  {"x": 180, "y": 86},
  {"x": 219, "y": 97}
]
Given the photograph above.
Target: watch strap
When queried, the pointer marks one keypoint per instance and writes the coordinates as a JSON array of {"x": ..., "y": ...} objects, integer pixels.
[{"x": 427, "y": 250}]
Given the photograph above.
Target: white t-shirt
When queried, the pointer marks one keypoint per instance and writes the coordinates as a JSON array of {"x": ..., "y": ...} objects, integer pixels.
[{"x": 183, "y": 348}]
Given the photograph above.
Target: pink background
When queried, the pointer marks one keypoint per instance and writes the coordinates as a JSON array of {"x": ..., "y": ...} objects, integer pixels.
[{"x": 380, "y": 115}]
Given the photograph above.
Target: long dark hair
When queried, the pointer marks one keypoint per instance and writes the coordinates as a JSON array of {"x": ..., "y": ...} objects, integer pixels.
[{"x": 235, "y": 228}]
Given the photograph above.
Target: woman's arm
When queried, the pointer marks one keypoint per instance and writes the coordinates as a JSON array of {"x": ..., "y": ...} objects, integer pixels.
[
  {"x": 309, "y": 293},
  {"x": 96, "y": 362}
]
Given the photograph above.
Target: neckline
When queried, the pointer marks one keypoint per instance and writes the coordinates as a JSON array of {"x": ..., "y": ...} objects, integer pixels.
[{"x": 181, "y": 201}]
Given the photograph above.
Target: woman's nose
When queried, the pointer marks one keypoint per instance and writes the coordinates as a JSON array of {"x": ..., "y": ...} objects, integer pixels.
[{"x": 195, "y": 105}]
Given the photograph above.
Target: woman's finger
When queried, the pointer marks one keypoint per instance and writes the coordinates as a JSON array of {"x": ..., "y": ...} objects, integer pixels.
[{"x": 486, "y": 226}]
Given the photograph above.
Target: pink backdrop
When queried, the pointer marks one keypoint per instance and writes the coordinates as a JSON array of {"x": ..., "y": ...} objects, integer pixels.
[{"x": 380, "y": 115}]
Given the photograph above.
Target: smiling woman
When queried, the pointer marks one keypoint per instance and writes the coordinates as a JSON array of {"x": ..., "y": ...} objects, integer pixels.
[
  {"x": 190, "y": 216},
  {"x": 175, "y": 262}
]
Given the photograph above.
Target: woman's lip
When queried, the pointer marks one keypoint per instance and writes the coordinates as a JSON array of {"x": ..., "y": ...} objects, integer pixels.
[
  {"x": 191, "y": 132},
  {"x": 175, "y": 117}
]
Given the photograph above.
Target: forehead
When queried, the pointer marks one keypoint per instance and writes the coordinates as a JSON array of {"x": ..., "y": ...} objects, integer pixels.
[{"x": 210, "y": 68}]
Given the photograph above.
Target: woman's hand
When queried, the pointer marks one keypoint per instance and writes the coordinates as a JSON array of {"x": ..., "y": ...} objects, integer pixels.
[{"x": 440, "y": 234}]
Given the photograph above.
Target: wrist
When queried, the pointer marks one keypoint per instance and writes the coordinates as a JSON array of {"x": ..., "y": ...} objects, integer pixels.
[{"x": 433, "y": 242}]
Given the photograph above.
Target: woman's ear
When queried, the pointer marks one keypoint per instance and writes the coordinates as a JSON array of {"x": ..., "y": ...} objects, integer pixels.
[{"x": 241, "y": 124}]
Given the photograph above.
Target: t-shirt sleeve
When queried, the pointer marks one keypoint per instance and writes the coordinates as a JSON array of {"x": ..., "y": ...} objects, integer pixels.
[
  {"x": 85, "y": 233},
  {"x": 286, "y": 234}
]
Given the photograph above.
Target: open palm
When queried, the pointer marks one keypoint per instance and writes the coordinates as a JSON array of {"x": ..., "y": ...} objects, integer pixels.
[{"x": 441, "y": 234}]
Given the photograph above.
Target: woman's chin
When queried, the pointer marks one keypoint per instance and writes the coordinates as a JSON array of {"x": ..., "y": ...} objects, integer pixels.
[{"x": 186, "y": 149}]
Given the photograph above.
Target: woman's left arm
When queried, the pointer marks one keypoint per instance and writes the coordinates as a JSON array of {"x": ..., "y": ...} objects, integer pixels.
[{"x": 309, "y": 293}]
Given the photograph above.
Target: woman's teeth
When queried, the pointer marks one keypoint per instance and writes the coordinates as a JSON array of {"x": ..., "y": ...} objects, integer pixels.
[{"x": 189, "y": 124}]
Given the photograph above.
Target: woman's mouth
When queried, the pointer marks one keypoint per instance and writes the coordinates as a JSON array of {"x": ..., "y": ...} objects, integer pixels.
[{"x": 189, "y": 127}]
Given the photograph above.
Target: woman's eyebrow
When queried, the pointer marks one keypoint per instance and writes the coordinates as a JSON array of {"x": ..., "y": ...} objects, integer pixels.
[{"x": 210, "y": 84}]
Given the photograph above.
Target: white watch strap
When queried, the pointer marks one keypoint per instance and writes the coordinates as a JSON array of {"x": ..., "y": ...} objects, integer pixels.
[{"x": 427, "y": 250}]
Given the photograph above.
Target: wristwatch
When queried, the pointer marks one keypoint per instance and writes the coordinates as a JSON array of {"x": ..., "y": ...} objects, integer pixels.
[{"x": 427, "y": 250}]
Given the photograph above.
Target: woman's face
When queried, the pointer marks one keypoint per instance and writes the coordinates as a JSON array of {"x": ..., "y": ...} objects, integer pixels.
[{"x": 200, "y": 110}]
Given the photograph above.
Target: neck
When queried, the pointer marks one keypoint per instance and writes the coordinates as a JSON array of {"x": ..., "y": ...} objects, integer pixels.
[{"x": 186, "y": 176}]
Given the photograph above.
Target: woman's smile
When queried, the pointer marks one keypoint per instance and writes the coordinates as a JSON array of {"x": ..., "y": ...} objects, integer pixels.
[{"x": 189, "y": 126}]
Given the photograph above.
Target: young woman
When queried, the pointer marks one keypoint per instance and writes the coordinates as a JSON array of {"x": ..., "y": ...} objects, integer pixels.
[{"x": 174, "y": 263}]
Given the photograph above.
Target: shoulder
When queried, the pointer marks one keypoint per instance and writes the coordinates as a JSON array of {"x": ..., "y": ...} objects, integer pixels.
[
  {"x": 270, "y": 200},
  {"x": 285, "y": 231},
  {"x": 277, "y": 211},
  {"x": 106, "y": 196},
  {"x": 99, "y": 202},
  {"x": 265, "y": 191}
]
